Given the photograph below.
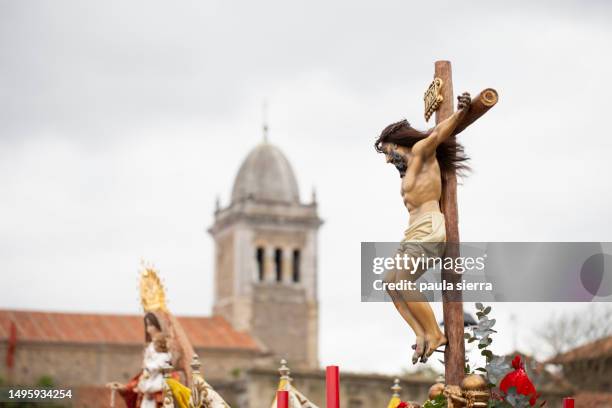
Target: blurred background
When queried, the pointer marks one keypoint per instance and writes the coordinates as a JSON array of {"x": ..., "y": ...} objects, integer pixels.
[{"x": 122, "y": 123}]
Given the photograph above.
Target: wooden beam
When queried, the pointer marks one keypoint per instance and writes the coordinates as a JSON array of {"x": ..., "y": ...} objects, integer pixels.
[
  {"x": 454, "y": 353},
  {"x": 481, "y": 103}
]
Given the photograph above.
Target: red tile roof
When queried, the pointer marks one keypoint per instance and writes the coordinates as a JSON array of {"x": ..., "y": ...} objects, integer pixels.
[
  {"x": 597, "y": 349},
  {"x": 593, "y": 400},
  {"x": 203, "y": 332}
]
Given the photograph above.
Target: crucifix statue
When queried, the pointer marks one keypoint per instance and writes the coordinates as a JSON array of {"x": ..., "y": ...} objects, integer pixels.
[{"x": 428, "y": 163}]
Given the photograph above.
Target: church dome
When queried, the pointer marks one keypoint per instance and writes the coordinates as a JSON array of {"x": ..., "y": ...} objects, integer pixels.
[{"x": 266, "y": 175}]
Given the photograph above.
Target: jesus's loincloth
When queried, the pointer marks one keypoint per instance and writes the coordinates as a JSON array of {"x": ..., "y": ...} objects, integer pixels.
[{"x": 425, "y": 237}]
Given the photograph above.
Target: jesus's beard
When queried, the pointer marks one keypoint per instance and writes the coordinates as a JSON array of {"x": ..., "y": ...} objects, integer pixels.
[{"x": 400, "y": 163}]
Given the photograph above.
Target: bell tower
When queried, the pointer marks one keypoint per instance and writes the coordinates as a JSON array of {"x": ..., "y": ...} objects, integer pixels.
[{"x": 266, "y": 258}]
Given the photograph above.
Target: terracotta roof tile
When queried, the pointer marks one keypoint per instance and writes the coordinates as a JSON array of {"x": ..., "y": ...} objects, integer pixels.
[
  {"x": 593, "y": 400},
  {"x": 203, "y": 332},
  {"x": 594, "y": 350}
]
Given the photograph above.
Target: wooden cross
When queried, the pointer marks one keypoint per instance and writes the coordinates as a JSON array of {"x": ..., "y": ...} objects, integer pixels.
[{"x": 439, "y": 98}]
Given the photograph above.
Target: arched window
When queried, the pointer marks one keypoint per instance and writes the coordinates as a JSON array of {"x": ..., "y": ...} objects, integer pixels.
[
  {"x": 278, "y": 264},
  {"x": 295, "y": 273},
  {"x": 259, "y": 255}
]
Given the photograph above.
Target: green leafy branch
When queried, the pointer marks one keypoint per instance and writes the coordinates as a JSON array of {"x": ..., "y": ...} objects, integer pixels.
[
  {"x": 495, "y": 367},
  {"x": 438, "y": 402}
]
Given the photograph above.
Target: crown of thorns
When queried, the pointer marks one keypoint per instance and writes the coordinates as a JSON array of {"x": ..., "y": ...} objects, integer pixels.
[{"x": 397, "y": 126}]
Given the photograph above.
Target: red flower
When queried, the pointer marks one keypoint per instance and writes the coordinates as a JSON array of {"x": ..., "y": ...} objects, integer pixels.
[
  {"x": 403, "y": 404},
  {"x": 519, "y": 380}
]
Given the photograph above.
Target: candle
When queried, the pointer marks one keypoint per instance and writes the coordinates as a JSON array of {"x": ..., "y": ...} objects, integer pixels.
[
  {"x": 568, "y": 403},
  {"x": 332, "y": 380},
  {"x": 282, "y": 399}
]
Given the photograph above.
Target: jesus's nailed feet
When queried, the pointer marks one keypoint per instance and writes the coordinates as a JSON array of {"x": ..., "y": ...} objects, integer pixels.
[
  {"x": 419, "y": 349},
  {"x": 433, "y": 343},
  {"x": 428, "y": 347}
]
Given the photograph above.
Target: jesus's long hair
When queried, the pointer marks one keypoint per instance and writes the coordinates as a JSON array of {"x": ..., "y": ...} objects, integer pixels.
[{"x": 450, "y": 154}]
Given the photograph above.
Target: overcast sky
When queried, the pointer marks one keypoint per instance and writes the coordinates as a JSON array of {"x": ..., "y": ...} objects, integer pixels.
[{"x": 120, "y": 122}]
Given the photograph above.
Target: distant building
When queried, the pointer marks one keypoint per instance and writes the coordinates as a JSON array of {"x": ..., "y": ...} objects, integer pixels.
[
  {"x": 588, "y": 369},
  {"x": 92, "y": 349}
]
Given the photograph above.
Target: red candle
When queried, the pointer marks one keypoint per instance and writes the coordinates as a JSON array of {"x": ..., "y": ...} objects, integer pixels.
[
  {"x": 282, "y": 399},
  {"x": 332, "y": 380},
  {"x": 568, "y": 403}
]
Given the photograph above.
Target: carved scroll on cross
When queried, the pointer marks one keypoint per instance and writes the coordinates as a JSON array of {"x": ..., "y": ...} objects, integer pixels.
[{"x": 433, "y": 97}]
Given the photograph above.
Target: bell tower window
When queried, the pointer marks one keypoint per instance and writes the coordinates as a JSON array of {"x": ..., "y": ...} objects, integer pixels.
[
  {"x": 259, "y": 256},
  {"x": 278, "y": 264},
  {"x": 295, "y": 273}
]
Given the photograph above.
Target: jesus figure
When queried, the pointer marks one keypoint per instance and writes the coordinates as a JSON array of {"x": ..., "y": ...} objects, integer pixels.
[{"x": 420, "y": 157}]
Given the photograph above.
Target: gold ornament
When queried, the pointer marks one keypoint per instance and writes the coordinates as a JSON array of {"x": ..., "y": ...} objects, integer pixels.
[
  {"x": 152, "y": 294},
  {"x": 475, "y": 390},
  {"x": 473, "y": 393},
  {"x": 433, "y": 97},
  {"x": 435, "y": 390},
  {"x": 199, "y": 389},
  {"x": 474, "y": 382}
]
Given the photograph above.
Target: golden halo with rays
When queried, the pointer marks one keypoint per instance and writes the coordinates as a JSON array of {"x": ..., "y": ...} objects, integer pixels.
[{"x": 152, "y": 292}]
